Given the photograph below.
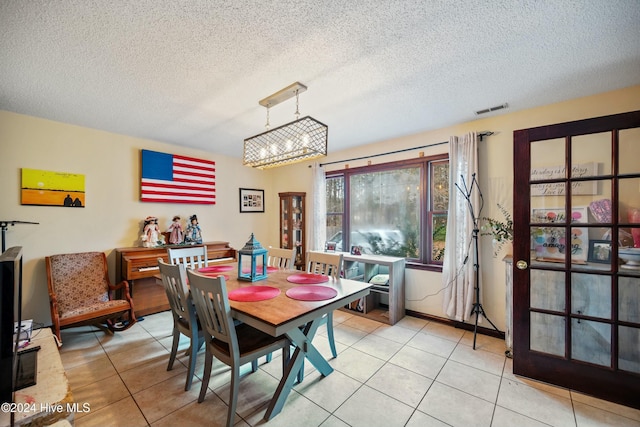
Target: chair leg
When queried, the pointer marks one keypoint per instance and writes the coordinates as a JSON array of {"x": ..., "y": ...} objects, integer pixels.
[
  {"x": 192, "y": 361},
  {"x": 174, "y": 348},
  {"x": 56, "y": 331},
  {"x": 332, "y": 342},
  {"x": 233, "y": 394},
  {"x": 269, "y": 357},
  {"x": 254, "y": 365},
  {"x": 208, "y": 361}
]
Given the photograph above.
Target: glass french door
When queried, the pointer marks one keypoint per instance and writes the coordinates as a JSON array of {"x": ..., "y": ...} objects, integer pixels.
[{"x": 576, "y": 256}]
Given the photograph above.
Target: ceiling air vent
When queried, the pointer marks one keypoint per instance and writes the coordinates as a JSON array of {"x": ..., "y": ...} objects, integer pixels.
[{"x": 491, "y": 109}]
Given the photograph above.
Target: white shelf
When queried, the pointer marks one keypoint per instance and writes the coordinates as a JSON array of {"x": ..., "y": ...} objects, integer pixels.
[{"x": 383, "y": 305}]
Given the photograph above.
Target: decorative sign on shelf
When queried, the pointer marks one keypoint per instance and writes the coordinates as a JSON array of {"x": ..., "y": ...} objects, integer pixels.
[
  {"x": 169, "y": 178},
  {"x": 551, "y": 243},
  {"x": 558, "y": 188}
]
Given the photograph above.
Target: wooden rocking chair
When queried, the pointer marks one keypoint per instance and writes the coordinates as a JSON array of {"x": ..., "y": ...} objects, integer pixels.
[{"x": 80, "y": 293}]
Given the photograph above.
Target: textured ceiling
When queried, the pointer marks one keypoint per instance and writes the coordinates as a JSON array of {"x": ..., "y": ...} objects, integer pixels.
[{"x": 192, "y": 72}]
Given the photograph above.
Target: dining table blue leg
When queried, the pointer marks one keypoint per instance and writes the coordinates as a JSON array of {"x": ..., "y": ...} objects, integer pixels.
[
  {"x": 301, "y": 339},
  {"x": 310, "y": 352}
]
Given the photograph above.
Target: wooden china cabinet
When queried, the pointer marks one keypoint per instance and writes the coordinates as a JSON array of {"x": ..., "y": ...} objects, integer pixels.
[{"x": 292, "y": 235}]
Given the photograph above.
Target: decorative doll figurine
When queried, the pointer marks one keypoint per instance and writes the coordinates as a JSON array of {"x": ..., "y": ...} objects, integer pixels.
[
  {"x": 151, "y": 233},
  {"x": 177, "y": 236},
  {"x": 193, "y": 234}
]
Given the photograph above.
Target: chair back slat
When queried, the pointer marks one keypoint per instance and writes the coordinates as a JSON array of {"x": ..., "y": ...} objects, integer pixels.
[
  {"x": 327, "y": 264},
  {"x": 193, "y": 257},
  {"x": 281, "y": 258}
]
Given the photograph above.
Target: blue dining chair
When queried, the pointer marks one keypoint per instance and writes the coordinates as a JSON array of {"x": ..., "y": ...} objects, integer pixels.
[
  {"x": 326, "y": 264},
  {"x": 174, "y": 280},
  {"x": 234, "y": 345},
  {"x": 191, "y": 257},
  {"x": 281, "y": 258}
]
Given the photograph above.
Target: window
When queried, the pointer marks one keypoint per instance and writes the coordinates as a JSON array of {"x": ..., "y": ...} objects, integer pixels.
[{"x": 397, "y": 209}]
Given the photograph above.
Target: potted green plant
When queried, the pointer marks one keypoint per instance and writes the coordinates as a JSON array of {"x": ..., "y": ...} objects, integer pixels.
[{"x": 500, "y": 231}]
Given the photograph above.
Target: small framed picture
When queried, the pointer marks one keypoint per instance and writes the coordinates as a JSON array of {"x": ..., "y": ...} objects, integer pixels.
[
  {"x": 356, "y": 250},
  {"x": 251, "y": 200},
  {"x": 600, "y": 251},
  {"x": 330, "y": 246}
]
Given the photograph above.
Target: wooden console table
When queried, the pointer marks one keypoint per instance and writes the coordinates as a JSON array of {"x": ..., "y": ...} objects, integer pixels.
[{"x": 139, "y": 265}]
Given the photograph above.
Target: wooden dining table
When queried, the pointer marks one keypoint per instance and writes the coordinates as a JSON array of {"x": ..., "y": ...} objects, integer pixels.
[{"x": 298, "y": 320}]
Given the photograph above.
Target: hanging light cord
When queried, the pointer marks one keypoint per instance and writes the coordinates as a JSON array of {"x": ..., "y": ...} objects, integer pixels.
[
  {"x": 297, "y": 113},
  {"x": 267, "y": 124}
]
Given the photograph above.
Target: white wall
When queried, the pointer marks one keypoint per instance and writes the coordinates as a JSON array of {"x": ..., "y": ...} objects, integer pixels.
[
  {"x": 496, "y": 182},
  {"x": 113, "y": 214}
]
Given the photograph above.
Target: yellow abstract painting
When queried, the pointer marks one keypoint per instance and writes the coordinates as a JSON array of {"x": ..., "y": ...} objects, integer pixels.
[{"x": 47, "y": 188}]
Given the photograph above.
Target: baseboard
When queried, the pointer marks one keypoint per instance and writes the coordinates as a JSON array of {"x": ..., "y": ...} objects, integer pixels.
[{"x": 456, "y": 324}]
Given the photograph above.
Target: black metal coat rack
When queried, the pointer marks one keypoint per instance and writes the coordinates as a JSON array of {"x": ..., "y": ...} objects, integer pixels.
[{"x": 466, "y": 191}]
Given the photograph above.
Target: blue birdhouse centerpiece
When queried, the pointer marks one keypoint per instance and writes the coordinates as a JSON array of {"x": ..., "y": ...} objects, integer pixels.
[{"x": 252, "y": 261}]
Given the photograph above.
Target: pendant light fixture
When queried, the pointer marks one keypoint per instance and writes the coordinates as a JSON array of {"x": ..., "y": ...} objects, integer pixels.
[{"x": 302, "y": 139}]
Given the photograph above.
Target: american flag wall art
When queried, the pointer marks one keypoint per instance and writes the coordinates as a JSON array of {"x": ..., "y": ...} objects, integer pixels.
[{"x": 171, "y": 178}]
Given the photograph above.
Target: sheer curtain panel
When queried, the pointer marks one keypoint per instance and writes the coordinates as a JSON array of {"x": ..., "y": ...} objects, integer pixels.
[
  {"x": 458, "y": 277},
  {"x": 319, "y": 209}
]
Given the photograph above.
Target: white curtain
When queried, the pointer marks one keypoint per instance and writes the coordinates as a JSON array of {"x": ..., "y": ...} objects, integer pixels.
[
  {"x": 318, "y": 231},
  {"x": 458, "y": 276}
]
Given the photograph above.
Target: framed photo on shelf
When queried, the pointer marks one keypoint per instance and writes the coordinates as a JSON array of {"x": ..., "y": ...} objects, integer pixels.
[
  {"x": 356, "y": 250},
  {"x": 251, "y": 200},
  {"x": 600, "y": 251},
  {"x": 330, "y": 246}
]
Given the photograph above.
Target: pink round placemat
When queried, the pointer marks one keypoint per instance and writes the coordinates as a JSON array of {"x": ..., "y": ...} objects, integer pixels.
[
  {"x": 307, "y": 278},
  {"x": 269, "y": 270},
  {"x": 215, "y": 269},
  {"x": 253, "y": 293},
  {"x": 311, "y": 293}
]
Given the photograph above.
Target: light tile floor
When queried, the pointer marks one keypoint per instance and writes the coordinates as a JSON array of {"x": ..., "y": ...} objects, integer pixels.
[{"x": 414, "y": 374}]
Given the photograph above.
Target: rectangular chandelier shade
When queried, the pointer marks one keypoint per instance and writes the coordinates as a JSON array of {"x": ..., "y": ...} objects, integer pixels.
[{"x": 300, "y": 140}]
